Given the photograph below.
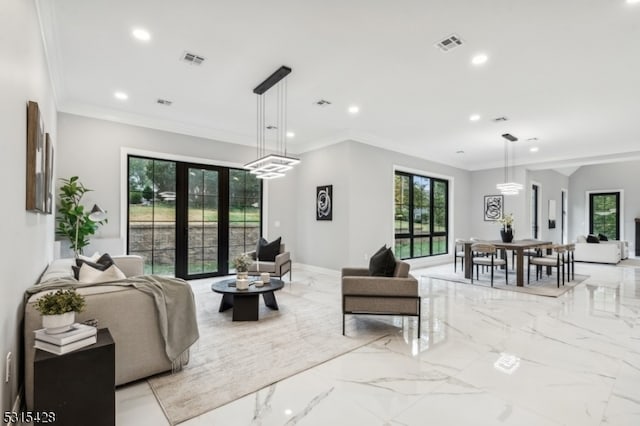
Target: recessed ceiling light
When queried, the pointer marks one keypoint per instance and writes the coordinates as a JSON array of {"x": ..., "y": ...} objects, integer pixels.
[
  {"x": 633, "y": 1},
  {"x": 121, "y": 95},
  {"x": 291, "y": 135},
  {"x": 474, "y": 117},
  {"x": 479, "y": 59},
  {"x": 534, "y": 149},
  {"x": 353, "y": 109},
  {"x": 141, "y": 34}
]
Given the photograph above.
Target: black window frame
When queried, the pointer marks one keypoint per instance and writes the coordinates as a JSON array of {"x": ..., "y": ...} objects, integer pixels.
[
  {"x": 181, "y": 186},
  {"x": 618, "y": 195},
  {"x": 411, "y": 235}
]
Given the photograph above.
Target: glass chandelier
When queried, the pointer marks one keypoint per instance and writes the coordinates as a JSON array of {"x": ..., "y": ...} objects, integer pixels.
[
  {"x": 509, "y": 187},
  {"x": 272, "y": 165}
]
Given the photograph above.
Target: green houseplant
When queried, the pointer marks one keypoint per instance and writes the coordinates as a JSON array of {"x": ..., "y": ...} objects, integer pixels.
[
  {"x": 74, "y": 222},
  {"x": 242, "y": 263},
  {"x": 59, "y": 309}
]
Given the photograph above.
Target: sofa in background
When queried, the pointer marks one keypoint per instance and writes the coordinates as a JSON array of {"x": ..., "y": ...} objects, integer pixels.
[
  {"x": 130, "y": 315},
  {"x": 611, "y": 251},
  {"x": 363, "y": 294}
]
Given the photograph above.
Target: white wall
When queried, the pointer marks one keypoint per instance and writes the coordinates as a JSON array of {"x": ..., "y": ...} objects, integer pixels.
[
  {"x": 27, "y": 237},
  {"x": 320, "y": 243},
  {"x": 92, "y": 149},
  {"x": 603, "y": 177},
  {"x": 362, "y": 179},
  {"x": 483, "y": 182},
  {"x": 361, "y": 175},
  {"x": 551, "y": 184}
]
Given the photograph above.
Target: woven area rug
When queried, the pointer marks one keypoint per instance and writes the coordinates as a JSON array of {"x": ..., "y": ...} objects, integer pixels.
[
  {"x": 233, "y": 359},
  {"x": 547, "y": 286}
]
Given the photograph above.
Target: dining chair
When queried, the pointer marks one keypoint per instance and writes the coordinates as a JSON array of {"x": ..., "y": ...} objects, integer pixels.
[
  {"x": 571, "y": 265},
  {"x": 525, "y": 253},
  {"x": 484, "y": 254},
  {"x": 552, "y": 261},
  {"x": 458, "y": 254}
]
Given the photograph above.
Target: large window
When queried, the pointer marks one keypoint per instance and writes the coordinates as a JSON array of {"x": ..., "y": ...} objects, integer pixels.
[
  {"x": 190, "y": 220},
  {"x": 604, "y": 214},
  {"x": 152, "y": 213},
  {"x": 421, "y": 216}
]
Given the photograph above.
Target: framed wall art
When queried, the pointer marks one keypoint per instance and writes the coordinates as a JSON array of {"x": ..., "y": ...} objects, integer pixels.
[
  {"x": 493, "y": 207},
  {"x": 324, "y": 202},
  {"x": 36, "y": 160}
]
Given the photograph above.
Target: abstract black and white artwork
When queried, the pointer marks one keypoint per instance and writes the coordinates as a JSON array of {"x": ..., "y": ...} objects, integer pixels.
[
  {"x": 493, "y": 207},
  {"x": 324, "y": 202}
]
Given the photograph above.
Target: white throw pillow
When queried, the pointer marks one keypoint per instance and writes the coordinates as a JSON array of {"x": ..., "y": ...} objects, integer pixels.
[
  {"x": 93, "y": 258},
  {"x": 581, "y": 239},
  {"x": 90, "y": 275},
  {"x": 58, "y": 269}
]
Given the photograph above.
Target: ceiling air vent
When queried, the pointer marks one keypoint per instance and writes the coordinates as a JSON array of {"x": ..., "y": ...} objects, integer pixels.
[
  {"x": 449, "y": 43},
  {"x": 499, "y": 119},
  {"x": 322, "y": 103},
  {"x": 164, "y": 102},
  {"x": 192, "y": 58}
]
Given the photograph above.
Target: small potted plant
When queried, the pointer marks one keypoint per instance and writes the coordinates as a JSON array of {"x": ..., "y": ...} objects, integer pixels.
[
  {"x": 59, "y": 309},
  {"x": 242, "y": 263}
]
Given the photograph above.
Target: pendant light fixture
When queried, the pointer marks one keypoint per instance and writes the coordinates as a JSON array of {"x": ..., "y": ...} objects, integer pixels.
[
  {"x": 275, "y": 164},
  {"x": 509, "y": 187}
]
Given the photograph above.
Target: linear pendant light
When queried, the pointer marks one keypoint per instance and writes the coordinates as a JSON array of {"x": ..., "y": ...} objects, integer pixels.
[
  {"x": 272, "y": 165},
  {"x": 508, "y": 187}
]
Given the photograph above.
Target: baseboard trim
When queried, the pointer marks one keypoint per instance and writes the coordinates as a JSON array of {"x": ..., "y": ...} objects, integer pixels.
[{"x": 319, "y": 269}]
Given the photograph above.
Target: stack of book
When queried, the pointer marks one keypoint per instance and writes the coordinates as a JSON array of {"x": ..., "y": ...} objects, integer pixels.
[{"x": 77, "y": 337}]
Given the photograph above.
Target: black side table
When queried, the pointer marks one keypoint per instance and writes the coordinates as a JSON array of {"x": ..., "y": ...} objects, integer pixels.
[{"x": 78, "y": 387}]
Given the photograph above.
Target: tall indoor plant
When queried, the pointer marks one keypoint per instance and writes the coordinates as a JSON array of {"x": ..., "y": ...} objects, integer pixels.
[{"x": 74, "y": 222}]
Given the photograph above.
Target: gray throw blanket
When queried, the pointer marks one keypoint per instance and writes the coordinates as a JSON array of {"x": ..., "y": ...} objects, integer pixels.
[{"x": 174, "y": 302}]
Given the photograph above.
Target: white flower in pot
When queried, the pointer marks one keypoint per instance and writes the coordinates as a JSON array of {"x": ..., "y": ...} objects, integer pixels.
[
  {"x": 59, "y": 309},
  {"x": 242, "y": 263}
]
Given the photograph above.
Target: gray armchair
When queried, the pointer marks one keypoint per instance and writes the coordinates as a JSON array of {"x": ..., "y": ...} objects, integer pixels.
[
  {"x": 370, "y": 295},
  {"x": 280, "y": 267}
]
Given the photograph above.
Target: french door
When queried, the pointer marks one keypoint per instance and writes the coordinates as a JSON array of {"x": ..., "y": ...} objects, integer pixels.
[
  {"x": 189, "y": 220},
  {"x": 199, "y": 207}
]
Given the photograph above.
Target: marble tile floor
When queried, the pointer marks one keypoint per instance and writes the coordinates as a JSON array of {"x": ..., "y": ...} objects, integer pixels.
[{"x": 486, "y": 357}]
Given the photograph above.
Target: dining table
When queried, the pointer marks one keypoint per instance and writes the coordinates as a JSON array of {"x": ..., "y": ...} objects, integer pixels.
[{"x": 517, "y": 246}]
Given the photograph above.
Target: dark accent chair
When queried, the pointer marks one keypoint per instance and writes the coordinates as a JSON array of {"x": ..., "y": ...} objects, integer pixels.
[{"x": 371, "y": 295}]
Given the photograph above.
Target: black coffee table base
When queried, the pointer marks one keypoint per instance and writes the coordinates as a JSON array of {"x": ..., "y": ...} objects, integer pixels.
[
  {"x": 245, "y": 308},
  {"x": 245, "y": 303}
]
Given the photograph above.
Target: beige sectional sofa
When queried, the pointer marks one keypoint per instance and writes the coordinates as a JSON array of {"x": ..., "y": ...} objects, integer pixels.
[{"x": 130, "y": 315}]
